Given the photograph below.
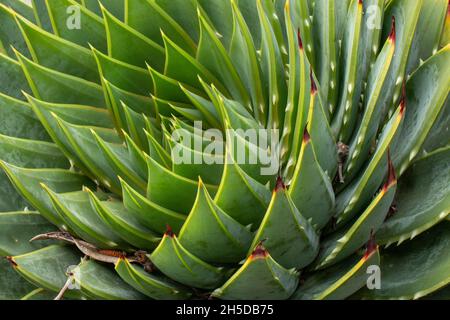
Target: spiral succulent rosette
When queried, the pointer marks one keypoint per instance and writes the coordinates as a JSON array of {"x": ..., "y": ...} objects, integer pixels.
[{"x": 230, "y": 149}]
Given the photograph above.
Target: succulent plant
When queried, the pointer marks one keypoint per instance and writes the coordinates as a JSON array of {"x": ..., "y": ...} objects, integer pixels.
[{"x": 126, "y": 139}]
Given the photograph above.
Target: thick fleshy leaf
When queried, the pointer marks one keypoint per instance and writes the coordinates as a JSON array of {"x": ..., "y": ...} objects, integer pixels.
[
  {"x": 343, "y": 243},
  {"x": 59, "y": 54},
  {"x": 415, "y": 269},
  {"x": 139, "y": 12},
  {"x": 28, "y": 184},
  {"x": 12, "y": 79},
  {"x": 52, "y": 86},
  {"x": 287, "y": 234},
  {"x": 98, "y": 281},
  {"x": 47, "y": 268},
  {"x": 241, "y": 196},
  {"x": 17, "y": 119},
  {"x": 76, "y": 211},
  {"x": 153, "y": 286},
  {"x": 424, "y": 103},
  {"x": 124, "y": 224},
  {"x": 73, "y": 22},
  {"x": 339, "y": 281},
  {"x": 311, "y": 190},
  {"x": 211, "y": 234},
  {"x": 18, "y": 228},
  {"x": 212, "y": 54},
  {"x": 12, "y": 285},
  {"x": 10, "y": 35},
  {"x": 422, "y": 200},
  {"x": 261, "y": 277},
  {"x": 172, "y": 259},
  {"x": 149, "y": 213}
]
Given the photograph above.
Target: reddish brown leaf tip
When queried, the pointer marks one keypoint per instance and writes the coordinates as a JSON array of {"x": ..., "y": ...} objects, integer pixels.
[
  {"x": 392, "y": 178},
  {"x": 371, "y": 246},
  {"x": 280, "y": 185},
  {"x": 403, "y": 100},
  {"x": 392, "y": 35},
  {"x": 260, "y": 252},
  {"x": 11, "y": 260},
  {"x": 313, "y": 83},
  {"x": 360, "y": 2},
  {"x": 300, "y": 42},
  {"x": 306, "y": 135},
  {"x": 169, "y": 232}
]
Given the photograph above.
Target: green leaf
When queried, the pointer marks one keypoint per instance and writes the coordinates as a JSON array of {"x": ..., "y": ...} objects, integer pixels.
[
  {"x": 76, "y": 211},
  {"x": 213, "y": 55},
  {"x": 17, "y": 119},
  {"x": 12, "y": 285},
  {"x": 10, "y": 35},
  {"x": 344, "y": 243},
  {"x": 242, "y": 197},
  {"x": 31, "y": 154},
  {"x": 148, "y": 213},
  {"x": 28, "y": 184},
  {"x": 116, "y": 7},
  {"x": 424, "y": 103},
  {"x": 161, "y": 184},
  {"x": 346, "y": 115},
  {"x": 422, "y": 200},
  {"x": 261, "y": 277},
  {"x": 123, "y": 75},
  {"x": 338, "y": 282},
  {"x": 46, "y": 268},
  {"x": 18, "y": 228},
  {"x": 172, "y": 259},
  {"x": 245, "y": 59},
  {"x": 366, "y": 132},
  {"x": 12, "y": 79},
  {"x": 428, "y": 32},
  {"x": 42, "y": 16},
  {"x": 289, "y": 237},
  {"x": 416, "y": 268},
  {"x": 181, "y": 66},
  {"x": 100, "y": 282},
  {"x": 406, "y": 15},
  {"x": 355, "y": 197},
  {"x": 53, "y": 86},
  {"x": 59, "y": 54},
  {"x": 128, "y": 45},
  {"x": 325, "y": 31},
  {"x": 139, "y": 12},
  {"x": 211, "y": 234},
  {"x": 85, "y": 146},
  {"x": 124, "y": 224},
  {"x": 39, "y": 294},
  {"x": 153, "y": 286},
  {"x": 321, "y": 136},
  {"x": 273, "y": 73},
  {"x": 311, "y": 190},
  {"x": 73, "y": 22}
]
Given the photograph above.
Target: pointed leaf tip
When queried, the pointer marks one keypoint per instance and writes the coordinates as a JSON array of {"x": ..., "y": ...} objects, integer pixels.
[
  {"x": 403, "y": 100},
  {"x": 313, "y": 83},
  {"x": 306, "y": 135},
  {"x": 371, "y": 246},
  {"x": 300, "y": 42},
  {"x": 392, "y": 35},
  {"x": 392, "y": 178},
  {"x": 169, "y": 232},
  {"x": 280, "y": 185},
  {"x": 260, "y": 252},
  {"x": 11, "y": 260}
]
